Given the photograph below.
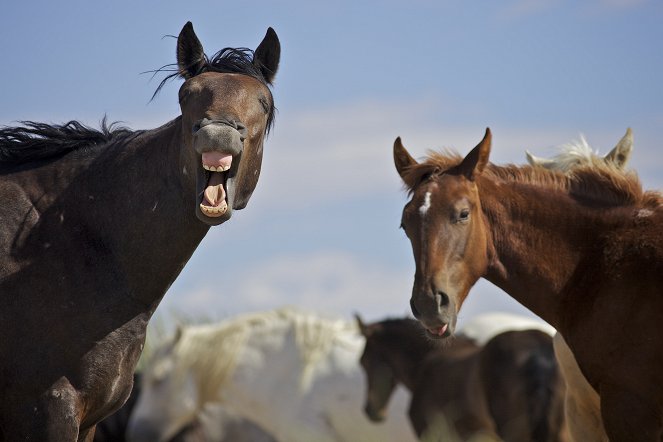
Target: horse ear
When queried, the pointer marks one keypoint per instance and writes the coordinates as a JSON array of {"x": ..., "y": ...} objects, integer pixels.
[
  {"x": 537, "y": 161},
  {"x": 620, "y": 155},
  {"x": 267, "y": 55},
  {"x": 475, "y": 161},
  {"x": 190, "y": 54},
  {"x": 178, "y": 333},
  {"x": 363, "y": 328},
  {"x": 402, "y": 158}
]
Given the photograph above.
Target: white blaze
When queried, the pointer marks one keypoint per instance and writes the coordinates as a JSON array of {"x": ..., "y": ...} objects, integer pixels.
[{"x": 426, "y": 205}]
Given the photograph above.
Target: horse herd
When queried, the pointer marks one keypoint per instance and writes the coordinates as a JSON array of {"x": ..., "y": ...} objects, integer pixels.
[{"x": 97, "y": 224}]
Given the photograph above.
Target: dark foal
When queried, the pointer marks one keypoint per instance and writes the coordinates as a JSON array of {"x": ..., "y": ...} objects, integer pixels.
[{"x": 509, "y": 389}]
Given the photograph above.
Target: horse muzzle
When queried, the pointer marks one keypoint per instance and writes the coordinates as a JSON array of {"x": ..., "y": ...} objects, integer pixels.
[
  {"x": 436, "y": 311},
  {"x": 373, "y": 414},
  {"x": 220, "y": 143}
]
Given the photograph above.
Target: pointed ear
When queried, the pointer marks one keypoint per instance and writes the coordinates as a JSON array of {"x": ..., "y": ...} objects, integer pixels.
[
  {"x": 178, "y": 333},
  {"x": 538, "y": 161},
  {"x": 363, "y": 328},
  {"x": 620, "y": 155},
  {"x": 475, "y": 161},
  {"x": 190, "y": 54},
  {"x": 267, "y": 55},
  {"x": 402, "y": 158}
]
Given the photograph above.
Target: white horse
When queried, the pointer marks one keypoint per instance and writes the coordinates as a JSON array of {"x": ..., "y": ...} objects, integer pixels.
[
  {"x": 295, "y": 374},
  {"x": 582, "y": 403}
]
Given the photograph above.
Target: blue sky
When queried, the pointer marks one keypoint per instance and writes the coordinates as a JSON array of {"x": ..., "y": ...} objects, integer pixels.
[{"x": 321, "y": 229}]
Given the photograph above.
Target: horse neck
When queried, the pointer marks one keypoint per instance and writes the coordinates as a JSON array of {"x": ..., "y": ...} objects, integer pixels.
[
  {"x": 153, "y": 230},
  {"x": 406, "y": 356},
  {"x": 537, "y": 240}
]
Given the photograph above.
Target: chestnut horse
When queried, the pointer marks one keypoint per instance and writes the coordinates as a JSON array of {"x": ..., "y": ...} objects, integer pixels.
[
  {"x": 582, "y": 407},
  {"x": 584, "y": 251},
  {"x": 509, "y": 389},
  {"x": 96, "y": 225}
]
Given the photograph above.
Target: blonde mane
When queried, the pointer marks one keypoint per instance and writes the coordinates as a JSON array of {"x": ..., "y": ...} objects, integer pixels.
[
  {"x": 211, "y": 352},
  {"x": 599, "y": 182},
  {"x": 574, "y": 154}
]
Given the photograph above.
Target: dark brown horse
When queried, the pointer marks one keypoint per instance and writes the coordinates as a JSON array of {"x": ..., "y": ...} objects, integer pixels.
[
  {"x": 96, "y": 225},
  {"x": 584, "y": 251},
  {"x": 509, "y": 389}
]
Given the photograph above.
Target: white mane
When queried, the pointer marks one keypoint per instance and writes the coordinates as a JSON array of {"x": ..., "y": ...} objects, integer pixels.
[
  {"x": 211, "y": 351},
  {"x": 574, "y": 154},
  {"x": 579, "y": 154}
]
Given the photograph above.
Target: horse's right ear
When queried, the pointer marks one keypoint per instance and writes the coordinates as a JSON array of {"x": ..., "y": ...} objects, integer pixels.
[
  {"x": 402, "y": 158},
  {"x": 363, "y": 328},
  {"x": 190, "y": 54},
  {"x": 620, "y": 155},
  {"x": 267, "y": 55}
]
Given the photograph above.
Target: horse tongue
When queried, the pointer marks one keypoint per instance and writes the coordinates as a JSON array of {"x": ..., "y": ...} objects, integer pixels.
[{"x": 214, "y": 192}]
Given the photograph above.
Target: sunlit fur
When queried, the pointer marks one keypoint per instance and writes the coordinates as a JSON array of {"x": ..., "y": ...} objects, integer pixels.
[{"x": 582, "y": 250}]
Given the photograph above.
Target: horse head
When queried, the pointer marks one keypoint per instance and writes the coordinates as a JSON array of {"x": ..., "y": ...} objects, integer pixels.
[
  {"x": 227, "y": 109},
  {"x": 447, "y": 231},
  {"x": 380, "y": 379}
]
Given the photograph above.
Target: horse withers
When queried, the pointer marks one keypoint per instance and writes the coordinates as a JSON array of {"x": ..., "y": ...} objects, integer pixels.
[
  {"x": 583, "y": 250},
  {"x": 96, "y": 225}
]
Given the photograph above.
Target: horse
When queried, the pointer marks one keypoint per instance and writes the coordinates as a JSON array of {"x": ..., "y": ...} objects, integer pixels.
[
  {"x": 508, "y": 389},
  {"x": 97, "y": 224},
  {"x": 582, "y": 406},
  {"x": 213, "y": 424},
  {"x": 294, "y": 373},
  {"x": 582, "y": 250}
]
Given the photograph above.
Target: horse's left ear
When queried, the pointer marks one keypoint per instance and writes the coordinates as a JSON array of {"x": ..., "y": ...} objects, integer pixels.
[
  {"x": 267, "y": 55},
  {"x": 538, "y": 161},
  {"x": 190, "y": 54},
  {"x": 620, "y": 155},
  {"x": 475, "y": 161}
]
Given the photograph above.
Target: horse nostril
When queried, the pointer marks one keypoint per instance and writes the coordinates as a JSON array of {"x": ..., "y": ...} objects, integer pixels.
[
  {"x": 241, "y": 129},
  {"x": 415, "y": 312},
  {"x": 441, "y": 298}
]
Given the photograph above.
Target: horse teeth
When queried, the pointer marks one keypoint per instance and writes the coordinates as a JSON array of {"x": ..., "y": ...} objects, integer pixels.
[
  {"x": 220, "y": 168},
  {"x": 218, "y": 210}
]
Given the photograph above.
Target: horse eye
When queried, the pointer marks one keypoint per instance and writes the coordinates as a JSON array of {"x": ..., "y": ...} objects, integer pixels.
[
  {"x": 265, "y": 105},
  {"x": 464, "y": 215}
]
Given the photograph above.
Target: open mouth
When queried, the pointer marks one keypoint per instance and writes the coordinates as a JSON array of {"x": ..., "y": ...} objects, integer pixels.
[
  {"x": 215, "y": 196},
  {"x": 439, "y": 331}
]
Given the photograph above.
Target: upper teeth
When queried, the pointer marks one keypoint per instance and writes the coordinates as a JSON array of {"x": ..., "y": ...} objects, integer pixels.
[{"x": 216, "y": 168}]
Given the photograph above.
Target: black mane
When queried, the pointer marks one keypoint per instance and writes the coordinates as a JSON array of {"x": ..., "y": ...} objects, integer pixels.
[{"x": 32, "y": 141}]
